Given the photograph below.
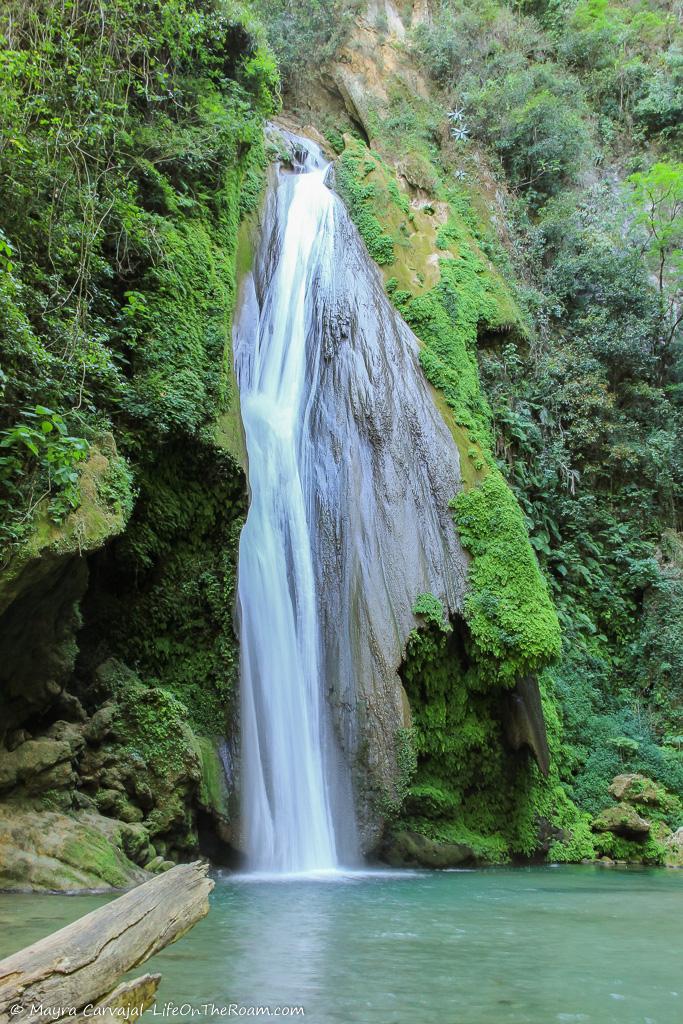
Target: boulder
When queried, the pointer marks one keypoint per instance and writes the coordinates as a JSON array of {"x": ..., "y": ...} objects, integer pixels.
[
  {"x": 49, "y": 851},
  {"x": 69, "y": 733},
  {"x": 71, "y": 708},
  {"x": 157, "y": 865},
  {"x": 622, "y": 820},
  {"x": 135, "y": 843},
  {"x": 411, "y": 849},
  {"x": 30, "y": 759},
  {"x": 15, "y": 737},
  {"x": 115, "y": 803},
  {"x": 673, "y": 858},
  {"x": 60, "y": 777},
  {"x": 101, "y": 725},
  {"x": 638, "y": 789}
]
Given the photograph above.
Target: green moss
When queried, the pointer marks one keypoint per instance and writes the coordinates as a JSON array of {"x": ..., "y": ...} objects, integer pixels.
[
  {"x": 649, "y": 851},
  {"x": 154, "y": 724},
  {"x": 431, "y": 610},
  {"x": 162, "y": 597},
  {"x": 362, "y": 198},
  {"x": 213, "y": 793},
  {"x": 93, "y": 853},
  {"x": 116, "y": 487},
  {"x": 469, "y": 786},
  {"x": 508, "y": 609}
]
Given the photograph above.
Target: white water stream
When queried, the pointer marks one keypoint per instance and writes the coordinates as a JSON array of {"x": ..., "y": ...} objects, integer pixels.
[
  {"x": 287, "y": 816},
  {"x": 351, "y": 472}
]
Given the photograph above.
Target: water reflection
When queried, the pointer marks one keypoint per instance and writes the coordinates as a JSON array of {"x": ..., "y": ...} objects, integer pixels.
[{"x": 479, "y": 947}]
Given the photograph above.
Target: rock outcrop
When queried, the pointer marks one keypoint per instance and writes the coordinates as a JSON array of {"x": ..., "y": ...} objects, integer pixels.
[
  {"x": 48, "y": 851},
  {"x": 641, "y": 821},
  {"x": 622, "y": 820},
  {"x": 637, "y": 789},
  {"x": 673, "y": 857},
  {"x": 410, "y": 850}
]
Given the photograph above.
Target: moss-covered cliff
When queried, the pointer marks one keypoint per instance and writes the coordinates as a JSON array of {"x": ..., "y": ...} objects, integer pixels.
[{"x": 132, "y": 148}]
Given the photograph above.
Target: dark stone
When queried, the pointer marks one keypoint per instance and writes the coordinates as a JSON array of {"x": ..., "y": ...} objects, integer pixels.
[
  {"x": 37, "y": 637},
  {"x": 101, "y": 725},
  {"x": 70, "y": 708},
  {"x": 30, "y": 762},
  {"x": 548, "y": 834},
  {"x": 15, "y": 737},
  {"x": 524, "y": 722},
  {"x": 410, "y": 849}
]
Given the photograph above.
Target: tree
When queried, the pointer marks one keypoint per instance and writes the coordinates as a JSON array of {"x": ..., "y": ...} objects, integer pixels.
[{"x": 656, "y": 199}]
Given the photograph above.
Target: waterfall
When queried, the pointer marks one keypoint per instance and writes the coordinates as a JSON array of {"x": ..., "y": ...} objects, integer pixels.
[
  {"x": 351, "y": 472},
  {"x": 286, "y": 799}
]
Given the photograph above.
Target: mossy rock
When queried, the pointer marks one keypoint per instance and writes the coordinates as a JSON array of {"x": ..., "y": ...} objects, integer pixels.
[
  {"x": 673, "y": 856},
  {"x": 213, "y": 789},
  {"x": 52, "y": 852},
  {"x": 638, "y": 789},
  {"x": 105, "y": 503},
  {"x": 411, "y": 849},
  {"x": 622, "y": 820}
]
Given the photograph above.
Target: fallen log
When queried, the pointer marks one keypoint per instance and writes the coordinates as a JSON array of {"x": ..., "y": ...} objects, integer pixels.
[{"x": 79, "y": 966}]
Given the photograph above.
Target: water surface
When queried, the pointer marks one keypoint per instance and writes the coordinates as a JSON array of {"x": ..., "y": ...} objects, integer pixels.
[{"x": 515, "y": 946}]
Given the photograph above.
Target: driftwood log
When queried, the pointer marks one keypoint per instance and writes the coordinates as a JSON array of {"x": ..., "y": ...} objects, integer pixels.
[{"x": 80, "y": 966}]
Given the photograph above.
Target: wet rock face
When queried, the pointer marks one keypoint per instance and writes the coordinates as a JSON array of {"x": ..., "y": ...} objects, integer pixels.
[
  {"x": 387, "y": 469},
  {"x": 524, "y": 722}
]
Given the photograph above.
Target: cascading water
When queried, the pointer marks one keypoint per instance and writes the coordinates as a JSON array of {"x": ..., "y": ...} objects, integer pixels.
[
  {"x": 351, "y": 472},
  {"x": 288, "y": 820}
]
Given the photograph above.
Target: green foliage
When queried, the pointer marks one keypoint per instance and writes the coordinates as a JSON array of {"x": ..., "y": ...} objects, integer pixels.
[
  {"x": 508, "y": 610},
  {"x": 360, "y": 197},
  {"x": 536, "y": 121},
  {"x": 304, "y": 32},
  {"x": 431, "y": 610},
  {"x": 153, "y": 722},
  {"x": 40, "y": 458},
  {"x": 607, "y": 733},
  {"x": 656, "y": 655},
  {"x": 656, "y": 199},
  {"x": 129, "y": 151},
  {"x": 162, "y": 596},
  {"x": 469, "y": 786},
  {"x": 116, "y": 488}
]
